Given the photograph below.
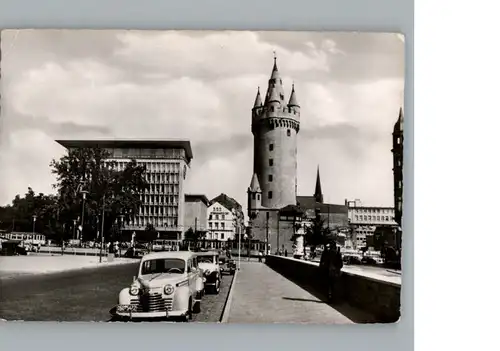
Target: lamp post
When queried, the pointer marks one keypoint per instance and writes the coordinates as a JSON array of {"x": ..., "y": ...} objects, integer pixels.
[
  {"x": 239, "y": 250},
  {"x": 34, "y": 221},
  {"x": 102, "y": 229},
  {"x": 122, "y": 216},
  {"x": 84, "y": 196},
  {"x": 74, "y": 228}
]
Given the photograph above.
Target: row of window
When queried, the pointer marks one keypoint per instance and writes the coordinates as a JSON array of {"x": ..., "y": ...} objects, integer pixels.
[
  {"x": 160, "y": 199},
  {"x": 374, "y": 210},
  {"x": 142, "y": 221},
  {"x": 216, "y": 224},
  {"x": 161, "y": 210},
  {"x": 215, "y": 236},
  {"x": 373, "y": 218},
  {"x": 210, "y": 217},
  {"x": 163, "y": 189}
]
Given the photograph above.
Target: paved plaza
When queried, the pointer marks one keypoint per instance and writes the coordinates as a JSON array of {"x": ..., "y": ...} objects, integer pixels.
[{"x": 261, "y": 295}]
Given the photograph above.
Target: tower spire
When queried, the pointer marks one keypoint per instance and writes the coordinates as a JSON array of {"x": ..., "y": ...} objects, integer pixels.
[
  {"x": 318, "y": 195},
  {"x": 258, "y": 99},
  {"x": 293, "y": 98}
]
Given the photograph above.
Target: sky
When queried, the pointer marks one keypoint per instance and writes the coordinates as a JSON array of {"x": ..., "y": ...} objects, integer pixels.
[{"x": 201, "y": 86}]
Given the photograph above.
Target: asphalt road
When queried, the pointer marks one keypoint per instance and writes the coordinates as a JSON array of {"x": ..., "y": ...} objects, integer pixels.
[{"x": 85, "y": 295}]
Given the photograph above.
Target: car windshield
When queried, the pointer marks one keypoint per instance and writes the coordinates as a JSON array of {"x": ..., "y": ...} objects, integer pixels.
[
  {"x": 163, "y": 265},
  {"x": 206, "y": 259}
]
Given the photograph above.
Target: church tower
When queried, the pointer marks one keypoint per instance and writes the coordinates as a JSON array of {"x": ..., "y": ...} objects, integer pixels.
[
  {"x": 275, "y": 125},
  {"x": 318, "y": 194}
]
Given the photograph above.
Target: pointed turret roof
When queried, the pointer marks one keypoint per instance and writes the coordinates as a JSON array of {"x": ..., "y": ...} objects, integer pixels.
[
  {"x": 273, "y": 96},
  {"x": 275, "y": 83},
  {"x": 317, "y": 192},
  {"x": 293, "y": 98},
  {"x": 398, "y": 127},
  {"x": 258, "y": 99},
  {"x": 254, "y": 184},
  {"x": 275, "y": 74}
]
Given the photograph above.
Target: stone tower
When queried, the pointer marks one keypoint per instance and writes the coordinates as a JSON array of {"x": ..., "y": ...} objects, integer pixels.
[
  {"x": 275, "y": 125},
  {"x": 254, "y": 196}
]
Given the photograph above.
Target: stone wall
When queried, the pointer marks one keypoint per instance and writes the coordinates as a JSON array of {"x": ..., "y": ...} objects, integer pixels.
[
  {"x": 379, "y": 298},
  {"x": 280, "y": 234}
]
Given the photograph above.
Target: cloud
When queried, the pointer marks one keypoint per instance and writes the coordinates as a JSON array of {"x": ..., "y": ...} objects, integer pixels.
[{"x": 201, "y": 86}]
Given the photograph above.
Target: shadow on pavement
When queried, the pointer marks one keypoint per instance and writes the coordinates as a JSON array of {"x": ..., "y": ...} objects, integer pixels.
[
  {"x": 354, "y": 314},
  {"x": 303, "y": 300}
]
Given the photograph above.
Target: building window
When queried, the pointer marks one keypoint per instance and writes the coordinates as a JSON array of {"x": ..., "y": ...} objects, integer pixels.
[
  {"x": 216, "y": 216},
  {"x": 270, "y": 177},
  {"x": 222, "y": 236},
  {"x": 223, "y": 217},
  {"x": 271, "y": 147},
  {"x": 258, "y": 196},
  {"x": 271, "y": 162},
  {"x": 270, "y": 195}
]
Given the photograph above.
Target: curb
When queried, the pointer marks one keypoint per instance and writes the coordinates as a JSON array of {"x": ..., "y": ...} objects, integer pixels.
[{"x": 227, "y": 306}]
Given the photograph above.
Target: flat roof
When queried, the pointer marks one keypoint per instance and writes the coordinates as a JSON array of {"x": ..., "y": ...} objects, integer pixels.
[
  {"x": 200, "y": 197},
  {"x": 131, "y": 143}
]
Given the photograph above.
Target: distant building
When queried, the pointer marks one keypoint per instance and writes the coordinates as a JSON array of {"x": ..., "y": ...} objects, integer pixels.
[
  {"x": 196, "y": 212},
  {"x": 167, "y": 163},
  {"x": 225, "y": 220},
  {"x": 364, "y": 220}
]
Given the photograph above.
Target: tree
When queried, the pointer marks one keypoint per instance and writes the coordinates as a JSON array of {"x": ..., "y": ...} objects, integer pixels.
[
  {"x": 316, "y": 234},
  {"x": 19, "y": 215},
  {"x": 150, "y": 233},
  {"x": 194, "y": 236},
  {"x": 90, "y": 170}
]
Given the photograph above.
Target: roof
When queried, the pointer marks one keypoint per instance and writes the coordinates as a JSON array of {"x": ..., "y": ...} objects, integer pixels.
[
  {"x": 226, "y": 201},
  {"x": 184, "y": 255},
  {"x": 258, "y": 99},
  {"x": 254, "y": 184},
  {"x": 130, "y": 143},
  {"x": 309, "y": 203},
  {"x": 194, "y": 197},
  {"x": 293, "y": 98},
  {"x": 292, "y": 209}
]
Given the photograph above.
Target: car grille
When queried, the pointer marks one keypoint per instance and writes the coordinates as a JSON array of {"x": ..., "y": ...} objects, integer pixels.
[{"x": 152, "y": 303}]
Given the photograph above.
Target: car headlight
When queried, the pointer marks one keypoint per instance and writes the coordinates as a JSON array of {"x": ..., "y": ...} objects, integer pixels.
[
  {"x": 168, "y": 289},
  {"x": 134, "y": 290},
  {"x": 207, "y": 271}
]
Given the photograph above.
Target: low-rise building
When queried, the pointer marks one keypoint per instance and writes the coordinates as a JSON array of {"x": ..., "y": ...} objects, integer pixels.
[
  {"x": 196, "y": 212},
  {"x": 364, "y": 220},
  {"x": 225, "y": 220}
]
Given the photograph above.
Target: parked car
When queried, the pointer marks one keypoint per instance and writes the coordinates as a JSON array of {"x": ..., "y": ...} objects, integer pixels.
[
  {"x": 168, "y": 285},
  {"x": 13, "y": 248},
  {"x": 137, "y": 251},
  {"x": 209, "y": 264},
  {"x": 227, "y": 265}
]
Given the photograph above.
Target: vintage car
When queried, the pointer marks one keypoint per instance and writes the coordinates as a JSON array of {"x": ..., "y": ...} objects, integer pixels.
[
  {"x": 168, "y": 284},
  {"x": 209, "y": 265},
  {"x": 227, "y": 265}
]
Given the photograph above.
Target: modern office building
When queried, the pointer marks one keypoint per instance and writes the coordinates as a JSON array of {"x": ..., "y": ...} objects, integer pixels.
[{"x": 167, "y": 163}]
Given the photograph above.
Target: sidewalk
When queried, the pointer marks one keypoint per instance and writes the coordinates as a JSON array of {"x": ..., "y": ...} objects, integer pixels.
[{"x": 261, "y": 295}]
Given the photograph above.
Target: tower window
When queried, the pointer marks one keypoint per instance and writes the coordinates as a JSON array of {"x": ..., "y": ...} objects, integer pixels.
[
  {"x": 270, "y": 177},
  {"x": 288, "y": 133},
  {"x": 258, "y": 197},
  {"x": 269, "y": 194},
  {"x": 271, "y": 147},
  {"x": 271, "y": 162},
  {"x": 253, "y": 196}
]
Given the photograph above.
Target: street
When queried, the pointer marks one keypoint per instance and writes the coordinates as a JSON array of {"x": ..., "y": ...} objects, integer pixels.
[{"x": 85, "y": 295}]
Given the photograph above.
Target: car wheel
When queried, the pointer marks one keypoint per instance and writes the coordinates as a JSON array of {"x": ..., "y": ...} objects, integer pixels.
[
  {"x": 217, "y": 286},
  {"x": 197, "y": 307},
  {"x": 189, "y": 313}
]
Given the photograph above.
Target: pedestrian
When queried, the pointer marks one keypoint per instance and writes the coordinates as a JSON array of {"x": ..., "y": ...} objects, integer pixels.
[
  {"x": 286, "y": 253},
  {"x": 260, "y": 256}
]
